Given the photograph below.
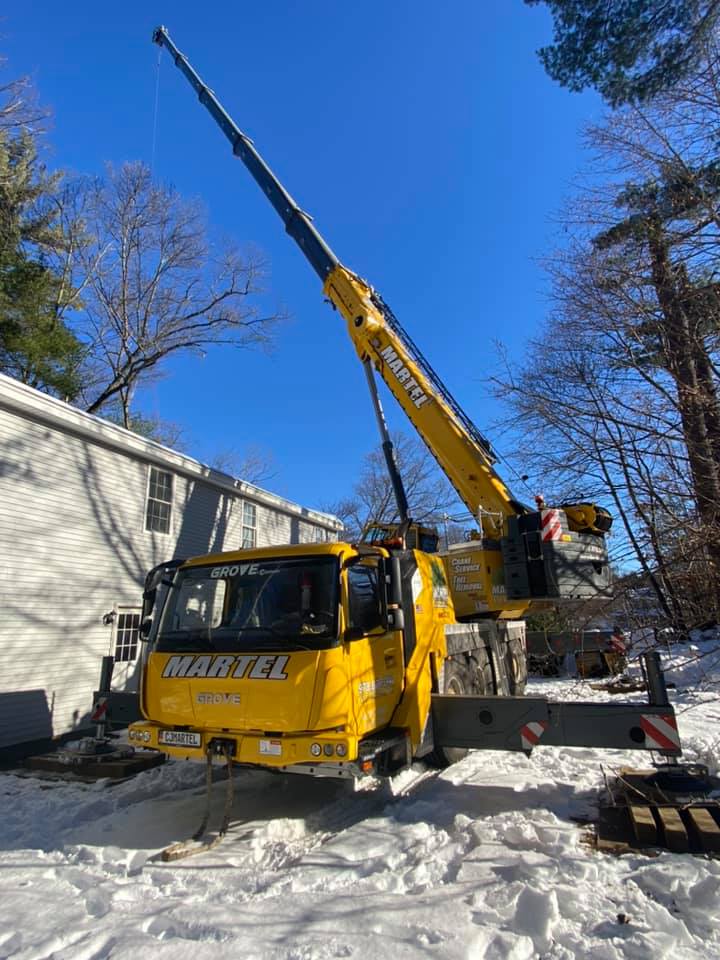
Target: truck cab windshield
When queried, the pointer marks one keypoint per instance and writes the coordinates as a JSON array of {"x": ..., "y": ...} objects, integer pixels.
[{"x": 289, "y": 604}]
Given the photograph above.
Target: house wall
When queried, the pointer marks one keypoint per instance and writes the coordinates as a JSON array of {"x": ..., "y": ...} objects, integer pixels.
[{"x": 73, "y": 547}]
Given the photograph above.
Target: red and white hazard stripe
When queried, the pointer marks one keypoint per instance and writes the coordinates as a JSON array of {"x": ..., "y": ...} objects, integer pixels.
[
  {"x": 551, "y": 524},
  {"x": 661, "y": 733},
  {"x": 530, "y": 734},
  {"x": 99, "y": 710}
]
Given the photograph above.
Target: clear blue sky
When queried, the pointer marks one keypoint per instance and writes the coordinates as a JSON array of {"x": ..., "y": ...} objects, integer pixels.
[{"x": 425, "y": 139}]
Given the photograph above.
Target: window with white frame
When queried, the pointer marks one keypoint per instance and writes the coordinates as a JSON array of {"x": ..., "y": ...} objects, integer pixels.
[
  {"x": 127, "y": 636},
  {"x": 159, "y": 501},
  {"x": 249, "y": 525}
]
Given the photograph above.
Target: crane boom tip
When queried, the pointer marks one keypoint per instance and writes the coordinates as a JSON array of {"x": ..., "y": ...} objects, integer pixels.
[{"x": 158, "y": 34}]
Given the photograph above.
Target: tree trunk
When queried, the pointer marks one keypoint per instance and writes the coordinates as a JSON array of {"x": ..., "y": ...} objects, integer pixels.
[{"x": 696, "y": 405}]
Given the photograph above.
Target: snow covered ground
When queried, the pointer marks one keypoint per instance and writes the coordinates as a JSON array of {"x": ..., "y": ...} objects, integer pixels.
[{"x": 482, "y": 861}]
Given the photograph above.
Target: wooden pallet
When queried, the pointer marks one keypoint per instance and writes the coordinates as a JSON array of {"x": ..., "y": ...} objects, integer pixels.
[
  {"x": 644, "y": 813},
  {"x": 649, "y": 828}
]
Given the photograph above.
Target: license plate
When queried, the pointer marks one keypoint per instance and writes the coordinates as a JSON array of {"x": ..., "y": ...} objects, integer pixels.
[{"x": 179, "y": 738}]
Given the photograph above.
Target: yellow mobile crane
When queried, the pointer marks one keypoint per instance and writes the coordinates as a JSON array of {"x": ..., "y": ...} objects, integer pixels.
[
  {"x": 521, "y": 555},
  {"x": 347, "y": 659}
]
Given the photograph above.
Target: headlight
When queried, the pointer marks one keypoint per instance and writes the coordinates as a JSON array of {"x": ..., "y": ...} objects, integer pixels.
[
  {"x": 341, "y": 750},
  {"x": 315, "y": 749}
]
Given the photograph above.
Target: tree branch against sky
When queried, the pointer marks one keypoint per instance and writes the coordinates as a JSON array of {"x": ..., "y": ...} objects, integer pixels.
[
  {"x": 153, "y": 285},
  {"x": 254, "y": 463},
  {"x": 627, "y": 51},
  {"x": 19, "y": 109},
  {"x": 429, "y": 493}
]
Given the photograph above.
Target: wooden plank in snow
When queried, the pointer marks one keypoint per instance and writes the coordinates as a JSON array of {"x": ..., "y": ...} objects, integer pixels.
[
  {"x": 703, "y": 828},
  {"x": 673, "y": 829},
  {"x": 643, "y": 824}
]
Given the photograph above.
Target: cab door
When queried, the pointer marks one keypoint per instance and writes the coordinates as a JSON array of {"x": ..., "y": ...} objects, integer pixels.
[{"x": 375, "y": 654}]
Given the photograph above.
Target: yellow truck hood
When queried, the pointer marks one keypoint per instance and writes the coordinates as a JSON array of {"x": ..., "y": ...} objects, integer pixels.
[{"x": 244, "y": 691}]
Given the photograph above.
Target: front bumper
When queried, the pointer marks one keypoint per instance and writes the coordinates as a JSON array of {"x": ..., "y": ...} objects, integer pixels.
[{"x": 331, "y": 748}]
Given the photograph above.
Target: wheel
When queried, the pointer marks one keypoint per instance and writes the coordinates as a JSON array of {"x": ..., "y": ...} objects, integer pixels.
[
  {"x": 482, "y": 673},
  {"x": 516, "y": 667},
  {"x": 469, "y": 676},
  {"x": 457, "y": 682}
]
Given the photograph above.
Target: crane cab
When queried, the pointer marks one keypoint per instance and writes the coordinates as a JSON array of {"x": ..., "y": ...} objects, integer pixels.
[{"x": 413, "y": 537}]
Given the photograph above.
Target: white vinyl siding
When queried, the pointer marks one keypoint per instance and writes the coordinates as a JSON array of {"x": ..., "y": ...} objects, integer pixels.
[{"x": 73, "y": 547}]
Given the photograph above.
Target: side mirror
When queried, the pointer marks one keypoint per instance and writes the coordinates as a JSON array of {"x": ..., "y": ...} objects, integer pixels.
[
  {"x": 148, "y": 603},
  {"x": 396, "y": 619},
  {"x": 162, "y": 573},
  {"x": 145, "y": 628},
  {"x": 392, "y": 593}
]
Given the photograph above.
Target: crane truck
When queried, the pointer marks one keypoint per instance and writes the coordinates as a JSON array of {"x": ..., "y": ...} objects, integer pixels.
[{"x": 350, "y": 659}]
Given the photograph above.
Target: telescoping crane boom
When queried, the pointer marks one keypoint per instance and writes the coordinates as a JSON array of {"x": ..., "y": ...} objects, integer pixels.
[{"x": 521, "y": 555}]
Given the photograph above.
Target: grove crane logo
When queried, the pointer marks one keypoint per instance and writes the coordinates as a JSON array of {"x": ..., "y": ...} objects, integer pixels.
[{"x": 238, "y": 569}]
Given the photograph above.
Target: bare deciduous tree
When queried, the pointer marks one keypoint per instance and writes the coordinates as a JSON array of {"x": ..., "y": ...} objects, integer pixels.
[
  {"x": 621, "y": 393},
  {"x": 19, "y": 110},
  {"x": 253, "y": 463},
  {"x": 429, "y": 494},
  {"x": 147, "y": 284}
]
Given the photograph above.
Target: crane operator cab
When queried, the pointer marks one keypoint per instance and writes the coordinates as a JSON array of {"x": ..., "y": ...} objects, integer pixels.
[{"x": 414, "y": 536}]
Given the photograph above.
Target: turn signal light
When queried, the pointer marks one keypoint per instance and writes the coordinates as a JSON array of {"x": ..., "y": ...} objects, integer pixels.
[{"x": 143, "y": 735}]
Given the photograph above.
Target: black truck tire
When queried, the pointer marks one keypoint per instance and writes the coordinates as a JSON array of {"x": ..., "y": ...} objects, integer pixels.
[
  {"x": 482, "y": 673},
  {"x": 471, "y": 675},
  {"x": 516, "y": 667}
]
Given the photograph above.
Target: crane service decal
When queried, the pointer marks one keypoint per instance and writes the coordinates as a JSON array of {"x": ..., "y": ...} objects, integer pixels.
[
  {"x": 441, "y": 596},
  {"x": 245, "y": 667},
  {"x": 404, "y": 377}
]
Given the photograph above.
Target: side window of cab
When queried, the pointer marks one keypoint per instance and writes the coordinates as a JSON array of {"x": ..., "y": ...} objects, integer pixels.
[{"x": 365, "y": 609}]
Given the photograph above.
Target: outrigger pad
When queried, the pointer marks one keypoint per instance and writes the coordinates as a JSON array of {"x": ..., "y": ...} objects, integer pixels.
[{"x": 115, "y": 765}]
